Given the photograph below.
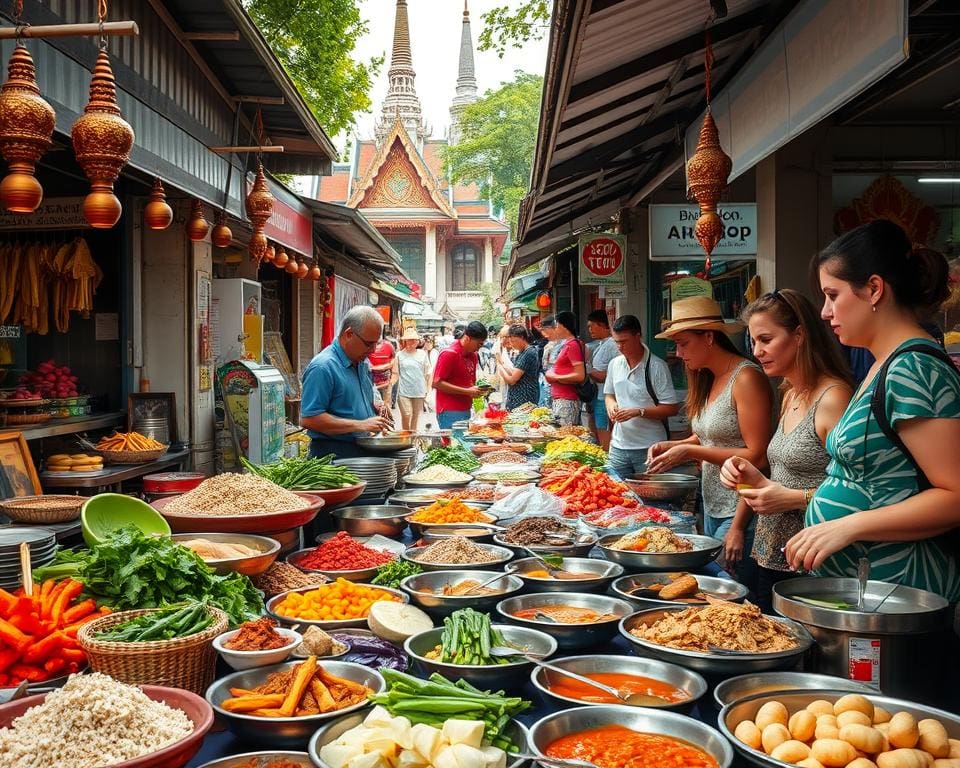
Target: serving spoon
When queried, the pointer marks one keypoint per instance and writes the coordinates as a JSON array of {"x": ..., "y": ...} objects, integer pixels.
[
  {"x": 631, "y": 699},
  {"x": 481, "y": 585}
]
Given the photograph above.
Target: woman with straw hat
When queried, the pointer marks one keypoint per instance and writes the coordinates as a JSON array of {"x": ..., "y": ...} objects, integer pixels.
[
  {"x": 411, "y": 367},
  {"x": 729, "y": 404}
]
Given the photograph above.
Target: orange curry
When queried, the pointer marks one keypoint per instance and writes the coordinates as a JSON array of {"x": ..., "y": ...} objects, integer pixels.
[
  {"x": 628, "y": 684},
  {"x": 613, "y": 746}
]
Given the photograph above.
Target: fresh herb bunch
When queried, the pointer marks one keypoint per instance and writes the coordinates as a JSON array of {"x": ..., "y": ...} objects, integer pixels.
[
  {"x": 436, "y": 700},
  {"x": 132, "y": 570},
  {"x": 189, "y": 619},
  {"x": 454, "y": 457},
  {"x": 392, "y": 573},
  {"x": 304, "y": 474}
]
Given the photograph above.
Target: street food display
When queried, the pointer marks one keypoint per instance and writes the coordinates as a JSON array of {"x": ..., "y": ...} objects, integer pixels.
[
  {"x": 452, "y": 511},
  {"x": 625, "y": 683},
  {"x": 651, "y": 539},
  {"x": 235, "y": 494},
  {"x": 614, "y": 746}
]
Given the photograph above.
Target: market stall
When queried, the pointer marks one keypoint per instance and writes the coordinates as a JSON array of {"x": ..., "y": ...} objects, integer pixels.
[{"x": 496, "y": 552}]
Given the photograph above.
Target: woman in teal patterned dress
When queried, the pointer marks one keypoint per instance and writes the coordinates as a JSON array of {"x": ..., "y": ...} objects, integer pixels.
[{"x": 873, "y": 503}]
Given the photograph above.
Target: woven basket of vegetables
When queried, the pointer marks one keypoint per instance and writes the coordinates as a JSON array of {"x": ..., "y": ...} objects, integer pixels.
[{"x": 157, "y": 646}]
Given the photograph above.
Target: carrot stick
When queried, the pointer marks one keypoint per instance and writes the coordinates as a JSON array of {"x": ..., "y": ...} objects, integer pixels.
[
  {"x": 250, "y": 703},
  {"x": 8, "y": 656},
  {"x": 333, "y": 680},
  {"x": 7, "y": 602},
  {"x": 43, "y": 649},
  {"x": 321, "y": 693},
  {"x": 73, "y": 655},
  {"x": 78, "y": 611},
  {"x": 67, "y": 594},
  {"x": 13, "y": 637},
  {"x": 52, "y": 598},
  {"x": 298, "y": 687}
]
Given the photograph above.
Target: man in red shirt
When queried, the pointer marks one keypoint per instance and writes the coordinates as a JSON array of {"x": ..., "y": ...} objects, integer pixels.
[
  {"x": 381, "y": 365},
  {"x": 455, "y": 376}
]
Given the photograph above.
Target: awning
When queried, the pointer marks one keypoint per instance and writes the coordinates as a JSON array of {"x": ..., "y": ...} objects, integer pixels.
[
  {"x": 381, "y": 287},
  {"x": 340, "y": 229},
  {"x": 422, "y": 313},
  {"x": 624, "y": 80}
]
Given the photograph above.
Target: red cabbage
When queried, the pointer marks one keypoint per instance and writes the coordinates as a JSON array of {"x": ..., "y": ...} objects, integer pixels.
[{"x": 372, "y": 652}]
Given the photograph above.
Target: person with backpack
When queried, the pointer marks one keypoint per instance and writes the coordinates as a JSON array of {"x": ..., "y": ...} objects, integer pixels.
[
  {"x": 639, "y": 397},
  {"x": 892, "y": 491},
  {"x": 792, "y": 344}
]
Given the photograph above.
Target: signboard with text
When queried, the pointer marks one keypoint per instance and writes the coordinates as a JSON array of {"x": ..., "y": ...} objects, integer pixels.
[
  {"x": 602, "y": 259},
  {"x": 53, "y": 213},
  {"x": 672, "y": 236},
  {"x": 291, "y": 223}
]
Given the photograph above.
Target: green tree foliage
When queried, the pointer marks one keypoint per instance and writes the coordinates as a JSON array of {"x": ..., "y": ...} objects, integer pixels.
[
  {"x": 314, "y": 40},
  {"x": 497, "y": 142},
  {"x": 489, "y": 313},
  {"x": 511, "y": 28}
]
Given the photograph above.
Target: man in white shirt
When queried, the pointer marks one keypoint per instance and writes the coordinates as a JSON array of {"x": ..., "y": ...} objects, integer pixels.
[{"x": 639, "y": 396}]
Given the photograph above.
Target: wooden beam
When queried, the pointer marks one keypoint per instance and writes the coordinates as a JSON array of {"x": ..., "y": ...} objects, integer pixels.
[
  {"x": 212, "y": 36},
  {"x": 109, "y": 29},
  {"x": 240, "y": 150},
  {"x": 260, "y": 99}
]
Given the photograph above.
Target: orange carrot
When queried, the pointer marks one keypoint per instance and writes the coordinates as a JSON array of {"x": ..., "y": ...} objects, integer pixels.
[
  {"x": 13, "y": 637},
  {"x": 43, "y": 649},
  {"x": 67, "y": 594},
  {"x": 52, "y": 598},
  {"x": 78, "y": 611}
]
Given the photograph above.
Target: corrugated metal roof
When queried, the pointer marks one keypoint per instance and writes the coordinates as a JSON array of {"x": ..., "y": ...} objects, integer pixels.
[
  {"x": 340, "y": 228},
  {"x": 624, "y": 80}
]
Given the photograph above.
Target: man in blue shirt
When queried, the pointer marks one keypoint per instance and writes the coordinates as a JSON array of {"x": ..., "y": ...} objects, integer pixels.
[{"x": 339, "y": 400}]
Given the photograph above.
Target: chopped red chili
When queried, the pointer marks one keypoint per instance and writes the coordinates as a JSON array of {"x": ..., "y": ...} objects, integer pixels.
[{"x": 344, "y": 553}]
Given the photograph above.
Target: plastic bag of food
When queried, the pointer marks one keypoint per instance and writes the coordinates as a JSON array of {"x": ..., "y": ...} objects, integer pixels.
[{"x": 527, "y": 501}]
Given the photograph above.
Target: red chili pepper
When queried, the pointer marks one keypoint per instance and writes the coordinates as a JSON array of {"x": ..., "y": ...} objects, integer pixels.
[{"x": 344, "y": 553}]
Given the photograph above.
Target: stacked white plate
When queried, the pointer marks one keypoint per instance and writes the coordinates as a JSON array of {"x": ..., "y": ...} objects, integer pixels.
[
  {"x": 43, "y": 547},
  {"x": 379, "y": 473},
  {"x": 404, "y": 460}
]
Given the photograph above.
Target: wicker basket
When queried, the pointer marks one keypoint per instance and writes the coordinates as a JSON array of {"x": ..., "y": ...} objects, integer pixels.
[
  {"x": 27, "y": 419},
  {"x": 131, "y": 457},
  {"x": 43, "y": 509},
  {"x": 186, "y": 662}
]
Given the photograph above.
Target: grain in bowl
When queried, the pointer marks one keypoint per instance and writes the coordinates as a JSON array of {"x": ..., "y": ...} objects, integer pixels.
[{"x": 235, "y": 494}]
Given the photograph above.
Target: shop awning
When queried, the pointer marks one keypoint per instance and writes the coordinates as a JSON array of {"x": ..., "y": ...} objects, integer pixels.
[
  {"x": 247, "y": 70},
  {"x": 340, "y": 229},
  {"x": 624, "y": 79},
  {"x": 381, "y": 287},
  {"x": 532, "y": 282}
]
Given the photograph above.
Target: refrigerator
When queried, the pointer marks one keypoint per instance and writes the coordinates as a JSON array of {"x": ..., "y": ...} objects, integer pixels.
[{"x": 251, "y": 410}]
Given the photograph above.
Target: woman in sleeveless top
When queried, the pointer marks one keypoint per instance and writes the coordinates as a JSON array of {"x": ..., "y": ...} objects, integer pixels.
[
  {"x": 793, "y": 344},
  {"x": 729, "y": 404}
]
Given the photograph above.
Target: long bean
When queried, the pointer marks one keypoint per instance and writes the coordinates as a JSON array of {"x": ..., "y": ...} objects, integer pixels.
[{"x": 304, "y": 474}]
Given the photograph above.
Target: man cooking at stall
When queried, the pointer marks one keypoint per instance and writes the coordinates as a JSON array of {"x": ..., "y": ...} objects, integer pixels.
[{"x": 339, "y": 402}]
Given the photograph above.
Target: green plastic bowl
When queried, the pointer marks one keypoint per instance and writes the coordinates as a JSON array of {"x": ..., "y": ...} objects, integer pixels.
[{"x": 107, "y": 512}]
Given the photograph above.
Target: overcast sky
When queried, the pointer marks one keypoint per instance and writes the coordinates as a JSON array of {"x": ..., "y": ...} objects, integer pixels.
[{"x": 435, "y": 27}]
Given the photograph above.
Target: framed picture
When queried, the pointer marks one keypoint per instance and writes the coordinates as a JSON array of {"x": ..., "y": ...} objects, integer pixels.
[
  {"x": 18, "y": 476},
  {"x": 153, "y": 414}
]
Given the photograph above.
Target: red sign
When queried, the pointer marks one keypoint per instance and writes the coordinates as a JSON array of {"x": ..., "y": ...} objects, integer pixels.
[
  {"x": 602, "y": 256},
  {"x": 290, "y": 224}
]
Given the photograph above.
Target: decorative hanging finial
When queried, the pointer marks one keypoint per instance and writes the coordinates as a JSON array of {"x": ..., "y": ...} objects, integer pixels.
[
  {"x": 259, "y": 203},
  {"x": 157, "y": 214},
  {"x": 708, "y": 170},
  {"x": 221, "y": 236}
]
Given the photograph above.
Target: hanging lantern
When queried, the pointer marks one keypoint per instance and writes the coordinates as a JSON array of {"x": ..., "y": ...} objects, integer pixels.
[
  {"x": 543, "y": 301},
  {"x": 270, "y": 254},
  {"x": 259, "y": 209},
  {"x": 157, "y": 214},
  {"x": 292, "y": 267},
  {"x": 315, "y": 272},
  {"x": 26, "y": 125},
  {"x": 303, "y": 270},
  {"x": 197, "y": 226},
  {"x": 707, "y": 171},
  {"x": 281, "y": 259},
  {"x": 101, "y": 142},
  {"x": 221, "y": 235}
]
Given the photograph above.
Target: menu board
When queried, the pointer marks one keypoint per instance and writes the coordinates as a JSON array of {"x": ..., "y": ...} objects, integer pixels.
[{"x": 275, "y": 354}]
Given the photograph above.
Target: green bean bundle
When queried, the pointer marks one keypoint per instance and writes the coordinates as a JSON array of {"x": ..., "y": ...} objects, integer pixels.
[{"x": 304, "y": 474}]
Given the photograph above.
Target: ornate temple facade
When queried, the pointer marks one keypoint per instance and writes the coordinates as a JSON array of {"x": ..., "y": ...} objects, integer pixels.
[{"x": 449, "y": 239}]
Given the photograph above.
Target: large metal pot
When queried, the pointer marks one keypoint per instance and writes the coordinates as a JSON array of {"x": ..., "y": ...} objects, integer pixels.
[{"x": 872, "y": 645}]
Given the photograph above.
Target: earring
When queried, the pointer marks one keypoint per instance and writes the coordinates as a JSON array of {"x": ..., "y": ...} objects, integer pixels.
[{"x": 874, "y": 307}]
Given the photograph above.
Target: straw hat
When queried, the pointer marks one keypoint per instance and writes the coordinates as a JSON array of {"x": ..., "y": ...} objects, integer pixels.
[
  {"x": 697, "y": 314},
  {"x": 410, "y": 335}
]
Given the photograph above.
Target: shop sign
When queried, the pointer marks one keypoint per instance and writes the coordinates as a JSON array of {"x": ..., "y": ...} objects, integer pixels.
[
  {"x": 602, "y": 259},
  {"x": 53, "y": 213},
  {"x": 613, "y": 291},
  {"x": 672, "y": 235},
  {"x": 11, "y": 331}
]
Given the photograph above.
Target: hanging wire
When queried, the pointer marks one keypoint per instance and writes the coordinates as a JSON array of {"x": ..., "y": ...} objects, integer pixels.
[
  {"x": 102, "y": 17},
  {"x": 18, "y": 20},
  {"x": 708, "y": 66}
]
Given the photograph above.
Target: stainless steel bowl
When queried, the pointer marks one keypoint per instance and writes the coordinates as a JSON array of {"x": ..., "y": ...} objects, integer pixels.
[
  {"x": 511, "y": 676},
  {"x": 746, "y": 709},
  {"x": 685, "y": 680},
  {"x": 251, "y": 565},
  {"x": 418, "y": 528},
  {"x": 444, "y": 605},
  {"x": 669, "y": 486},
  {"x": 501, "y": 555},
  {"x": 415, "y": 483},
  {"x": 580, "y": 548},
  {"x": 432, "y": 534},
  {"x": 416, "y": 497},
  {"x": 743, "y": 686},
  {"x": 723, "y": 589},
  {"x": 326, "y": 625},
  {"x": 389, "y": 442},
  {"x": 655, "y": 721},
  {"x": 299, "y": 759},
  {"x": 369, "y": 520},
  {"x": 333, "y": 730},
  {"x": 717, "y": 664},
  {"x": 284, "y": 731},
  {"x": 705, "y": 550},
  {"x": 360, "y": 574},
  {"x": 603, "y": 572},
  {"x": 569, "y": 637}
]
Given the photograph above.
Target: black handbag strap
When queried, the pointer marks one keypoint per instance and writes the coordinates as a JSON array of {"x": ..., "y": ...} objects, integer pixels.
[{"x": 650, "y": 391}]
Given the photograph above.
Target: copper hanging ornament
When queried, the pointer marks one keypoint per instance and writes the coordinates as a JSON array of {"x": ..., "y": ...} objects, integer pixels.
[
  {"x": 303, "y": 270},
  {"x": 259, "y": 209},
  {"x": 292, "y": 266},
  {"x": 315, "y": 272},
  {"x": 707, "y": 173},
  {"x": 197, "y": 226},
  {"x": 221, "y": 236},
  {"x": 270, "y": 253},
  {"x": 281, "y": 258},
  {"x": 101, "y": 142},
  {"x": 157, "y": 214},
  {"x": 26, "y": 125}
]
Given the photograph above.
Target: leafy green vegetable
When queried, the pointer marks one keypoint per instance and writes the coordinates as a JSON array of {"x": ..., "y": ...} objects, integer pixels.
[
  {"x": 455, "y": 457},
  {"x": 392, "y": 573},
  {"x": 192, "y": 617},
  {"x": 132, "y": 570}
]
